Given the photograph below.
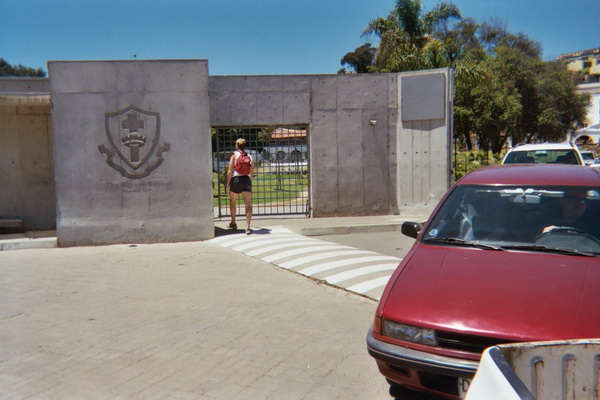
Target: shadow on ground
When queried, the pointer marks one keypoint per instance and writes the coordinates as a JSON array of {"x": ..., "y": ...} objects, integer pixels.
[{"x": 225, "y": 232}]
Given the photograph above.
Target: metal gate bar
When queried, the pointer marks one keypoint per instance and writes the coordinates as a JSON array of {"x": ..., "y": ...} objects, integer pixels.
[{"x": 281, "y": 169}]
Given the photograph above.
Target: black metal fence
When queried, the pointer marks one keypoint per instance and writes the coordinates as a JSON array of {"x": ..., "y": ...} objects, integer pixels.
[{"x": 280, "y": 185}]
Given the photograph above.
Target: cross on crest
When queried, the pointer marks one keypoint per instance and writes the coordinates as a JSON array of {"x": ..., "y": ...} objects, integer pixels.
[
  {"x": 132, "y": 124},
  {"x": 134, "y": 137},
  {"x": 134, "y": 140}
]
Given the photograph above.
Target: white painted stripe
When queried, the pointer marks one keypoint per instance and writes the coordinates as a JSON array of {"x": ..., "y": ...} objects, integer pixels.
[
  {"x": 344, "y": 276},
  {"x": 232, "y": 240},
  {"x": 287, "y": 243},
  {"x": 312, "y": 249},
  {"x": 227, "y": 237},
  {"x": 369, "y": 285},
  {"x": 273, "y": 239},
  {"x": 318, "y": 257},
  {"x": 242, "y": 234},
  {"x": 315, "y": 269}
]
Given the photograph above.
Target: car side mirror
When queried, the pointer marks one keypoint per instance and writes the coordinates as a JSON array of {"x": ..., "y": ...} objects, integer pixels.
[{"x": 411, "y": 229}]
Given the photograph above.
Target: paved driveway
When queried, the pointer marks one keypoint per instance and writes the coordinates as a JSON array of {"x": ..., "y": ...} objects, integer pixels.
[{"x": 177, "y": 321}]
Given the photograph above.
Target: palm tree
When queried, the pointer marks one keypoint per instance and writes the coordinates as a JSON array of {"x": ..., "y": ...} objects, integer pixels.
[{"x": 406, "y": 32}]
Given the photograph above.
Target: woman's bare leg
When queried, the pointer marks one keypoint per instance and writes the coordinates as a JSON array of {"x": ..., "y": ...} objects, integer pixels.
[
  {"x": 232, "y": 200},
  {"x": 248, "y": 203}
]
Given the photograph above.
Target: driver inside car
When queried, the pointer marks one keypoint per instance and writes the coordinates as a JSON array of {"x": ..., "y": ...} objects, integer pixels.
[{"x": 573, "y": 205}]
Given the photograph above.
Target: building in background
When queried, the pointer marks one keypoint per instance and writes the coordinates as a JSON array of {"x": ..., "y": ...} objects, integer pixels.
[{"x": 586, "y": 65}]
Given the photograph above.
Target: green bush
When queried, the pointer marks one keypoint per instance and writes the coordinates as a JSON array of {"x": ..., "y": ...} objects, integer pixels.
[{"x": 467, "y": 161}]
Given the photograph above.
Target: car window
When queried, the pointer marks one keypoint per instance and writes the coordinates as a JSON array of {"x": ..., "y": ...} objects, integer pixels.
[
  {"x": 587, "y": 156},
  {"x": 550, "y": 216},
  {"x": 542, "y": 157}
]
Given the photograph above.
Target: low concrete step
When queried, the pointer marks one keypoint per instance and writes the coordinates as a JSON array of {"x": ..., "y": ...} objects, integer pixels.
[
  {"x": 11, "y": 226},
  {"x": 29, "y": 240}
]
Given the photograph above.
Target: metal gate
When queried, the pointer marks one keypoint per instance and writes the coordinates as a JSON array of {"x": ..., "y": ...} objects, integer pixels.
[{"x": 281, "y": 169}]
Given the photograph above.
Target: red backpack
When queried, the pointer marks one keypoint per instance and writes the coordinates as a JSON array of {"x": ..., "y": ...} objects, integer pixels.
[{"x": 243, "y": 163}]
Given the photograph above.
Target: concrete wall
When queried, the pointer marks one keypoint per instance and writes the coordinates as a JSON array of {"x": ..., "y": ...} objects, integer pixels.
[
  {"x": 108, "y": 192},
  {"x": 364, "y": 158},
  {"x": 424, "y": 137},
  {"x": 26, "y": 165},
  {"x": 378, "y": 143}
]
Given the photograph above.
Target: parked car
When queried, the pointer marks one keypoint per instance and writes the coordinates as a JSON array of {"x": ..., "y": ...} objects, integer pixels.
[
  {"x": 588, "y": 156},
  {"x": 596, "y": 163},
  {"x": 510, "y": 254},
  {"x": 544, "y": 153}
]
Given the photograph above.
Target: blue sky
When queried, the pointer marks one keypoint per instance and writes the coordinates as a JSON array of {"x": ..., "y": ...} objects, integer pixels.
[{"x": 253, "y": 37}]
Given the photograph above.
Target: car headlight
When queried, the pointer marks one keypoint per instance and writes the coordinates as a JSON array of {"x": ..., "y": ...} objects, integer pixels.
[{"x": 408, "y": 333}]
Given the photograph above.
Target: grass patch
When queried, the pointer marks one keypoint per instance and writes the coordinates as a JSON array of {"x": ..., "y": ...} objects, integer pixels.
[{"x": 266, "y": 188}]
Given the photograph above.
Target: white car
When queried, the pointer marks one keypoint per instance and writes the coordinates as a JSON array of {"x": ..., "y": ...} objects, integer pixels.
[
  {"x": 544, "y": 153},
  {"x": 588, "y": 156}
]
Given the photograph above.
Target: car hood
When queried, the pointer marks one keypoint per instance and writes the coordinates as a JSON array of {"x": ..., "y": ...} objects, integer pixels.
[{"x": 514, "y": 295}]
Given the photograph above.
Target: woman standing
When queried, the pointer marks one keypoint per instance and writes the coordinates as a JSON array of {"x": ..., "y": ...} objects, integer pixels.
[{"x": 239, "y": 180}]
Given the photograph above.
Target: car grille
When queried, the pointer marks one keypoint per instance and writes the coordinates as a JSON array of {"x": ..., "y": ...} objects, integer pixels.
[{"x": 470, "y": 343}]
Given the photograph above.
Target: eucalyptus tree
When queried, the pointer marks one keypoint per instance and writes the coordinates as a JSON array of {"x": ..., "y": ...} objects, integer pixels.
[
  {"x": 560, "y": 108},
  {"x": 522, "y": 99},
  {"x": 7, "y": 69},
  {"x": 361, "y": 59}
]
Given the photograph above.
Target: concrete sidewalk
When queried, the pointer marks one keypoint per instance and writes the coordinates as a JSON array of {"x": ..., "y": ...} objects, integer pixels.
[
  {"x": 181, "y": 321},
  {"x": 299, "y": 224},
  {"x": 330, "y": 226},
  {"x": 176, "y": 321}
]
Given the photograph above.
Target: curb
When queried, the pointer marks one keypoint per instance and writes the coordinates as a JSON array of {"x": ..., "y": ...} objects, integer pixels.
[
  {"x": 28, "y": 243},
  {"x": 346, "y": 229}
]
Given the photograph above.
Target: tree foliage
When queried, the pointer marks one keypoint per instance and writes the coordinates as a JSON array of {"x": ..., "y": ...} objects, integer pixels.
[
  {"x": 504, "y": 90},
  {"x": 522, "y": 100},
  {"x": 361, "y": 59},
  {"x": 407, "y": 36},
  {"x": 19, "y": 70}
]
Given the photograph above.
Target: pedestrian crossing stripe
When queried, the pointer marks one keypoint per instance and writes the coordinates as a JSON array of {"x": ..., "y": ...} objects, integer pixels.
[
  {"x": 312, "y": 249},
  {"x": 286, "y": 245},
  {"x": 315, "y": 258},
  {"x": 347, "y": 275},
  {"x": 315, "y": 269},
  {"x": 229, "y": 241},
  {"x": 364, "y": 287},
  {"x": 255, "y": 249},
  {"x": 318, "y": 257}
]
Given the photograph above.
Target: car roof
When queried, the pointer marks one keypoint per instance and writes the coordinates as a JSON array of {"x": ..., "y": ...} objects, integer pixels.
[
  {"x": 533, "y": 174},
  {"x": 543, "y": 146}
]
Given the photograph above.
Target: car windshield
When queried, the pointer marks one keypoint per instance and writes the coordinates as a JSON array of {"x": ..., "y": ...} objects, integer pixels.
[
  {"x": 587, "y": 156},
  {"x": 542, "y": 157},
  {"x": 549, "y": 219}
]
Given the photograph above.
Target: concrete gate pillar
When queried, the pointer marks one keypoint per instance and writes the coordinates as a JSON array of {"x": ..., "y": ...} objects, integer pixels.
[{"x": 132, "y": 151}]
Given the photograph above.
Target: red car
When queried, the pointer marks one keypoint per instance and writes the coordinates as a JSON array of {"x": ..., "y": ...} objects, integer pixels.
[{"x": 511, "y": 254}]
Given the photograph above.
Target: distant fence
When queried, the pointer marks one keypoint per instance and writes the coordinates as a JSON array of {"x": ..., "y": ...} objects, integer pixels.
[
  {"x": 300, "y": 167},
  {"x": 281, "y": 171}
]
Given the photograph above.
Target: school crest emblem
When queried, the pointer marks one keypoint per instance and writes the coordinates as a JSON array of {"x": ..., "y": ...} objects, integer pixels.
[{"x": 134, "y": 136}]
